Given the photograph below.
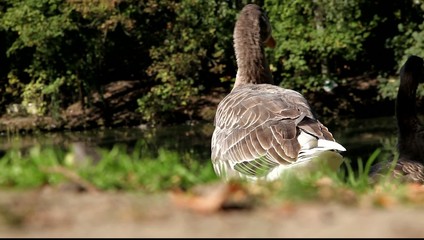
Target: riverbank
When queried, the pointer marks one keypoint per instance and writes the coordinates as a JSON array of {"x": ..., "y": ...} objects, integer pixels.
[{"x": 118, "y": 107}]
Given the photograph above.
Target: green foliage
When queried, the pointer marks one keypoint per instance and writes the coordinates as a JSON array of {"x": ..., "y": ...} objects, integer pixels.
[
  {"x": 346, "y": 185},
  {"x": 195, "y": 43},
  {"x": 315, "y": 38},
  {"x": 121, "y": 169},
  {"x": 59, "y": 46},
  {"x": 181, "y": 49},
  {"x": 408, "y": 41},
  {"x": 359, "y": 180},
  {"x": 118, "y": 169},
  {"x": 410, "y": 37},
  {"x": 25, "y": 170},
  {"x": 131, "y": 171},
  {"x": 388, "y": 88},
  {"x": 40, "y": 27}
]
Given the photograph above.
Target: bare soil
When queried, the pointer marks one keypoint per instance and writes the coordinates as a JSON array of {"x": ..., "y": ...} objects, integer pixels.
[{"x": 53, "y": 212}]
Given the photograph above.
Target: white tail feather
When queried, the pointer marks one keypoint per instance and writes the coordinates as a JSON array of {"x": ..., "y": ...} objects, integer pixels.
[
  {"x": 326, "y": 144},
  {"x": 314, "y": 153}
]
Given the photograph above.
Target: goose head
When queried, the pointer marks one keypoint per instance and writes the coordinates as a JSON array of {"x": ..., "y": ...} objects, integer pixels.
[
  {"x": 411, "y": 75},
  {"x": 412, "y": 72},
  {"x": 252, "y": 32}
]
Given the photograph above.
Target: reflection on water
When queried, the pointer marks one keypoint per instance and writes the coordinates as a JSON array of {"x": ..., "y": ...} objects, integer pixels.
[
  {"x": 184, "y": 139},
  {"x": 359, "y": 136}
]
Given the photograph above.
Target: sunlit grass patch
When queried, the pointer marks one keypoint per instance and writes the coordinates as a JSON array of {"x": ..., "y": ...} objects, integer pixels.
[
  {"x": 117, "y": 169},
  {"x": 26, "y": 168},
  {"x": 348, "y": 186}
]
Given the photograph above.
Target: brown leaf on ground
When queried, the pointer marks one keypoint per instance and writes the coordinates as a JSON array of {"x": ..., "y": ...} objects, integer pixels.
[
  {"x": 415, "y": 193},
  {"x": 329, "y": 191},
  {"x": 214, "y": 197},
  {"x": 384, "y": 200}
]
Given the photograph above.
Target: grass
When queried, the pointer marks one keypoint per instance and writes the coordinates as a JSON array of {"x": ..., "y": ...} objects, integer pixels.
[
  {"x": 348, "y": 186},
  {"x": 124, "y": 170},
  {"x": 118, "y": 169}
]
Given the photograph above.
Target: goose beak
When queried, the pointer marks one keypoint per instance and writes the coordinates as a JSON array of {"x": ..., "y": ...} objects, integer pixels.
[{"x": 270, "y": 42}]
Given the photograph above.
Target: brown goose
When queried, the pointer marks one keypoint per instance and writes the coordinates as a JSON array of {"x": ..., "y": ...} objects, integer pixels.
[
  {"x": 410, "y": 165},
  {"x": 262, "y": 129}
]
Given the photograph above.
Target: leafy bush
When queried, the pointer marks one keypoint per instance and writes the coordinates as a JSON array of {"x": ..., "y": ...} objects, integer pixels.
[
  {"x": 316, "y": 39},
  {"x": 408, "y": 41},
  {"x": 54, "y": 53},
  {"x": 63, "y": 46},
  {"x": 195, "y": 45}
]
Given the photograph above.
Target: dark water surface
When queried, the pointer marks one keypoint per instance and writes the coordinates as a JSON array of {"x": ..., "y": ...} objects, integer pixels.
[{"x": 359, "y": 136}]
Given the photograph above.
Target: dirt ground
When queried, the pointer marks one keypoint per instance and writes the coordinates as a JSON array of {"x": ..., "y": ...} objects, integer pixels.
[{"x": 49, "y": 212}]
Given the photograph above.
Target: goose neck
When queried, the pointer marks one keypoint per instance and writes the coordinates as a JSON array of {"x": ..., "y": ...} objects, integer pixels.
[{"x": 252, "y": 66}]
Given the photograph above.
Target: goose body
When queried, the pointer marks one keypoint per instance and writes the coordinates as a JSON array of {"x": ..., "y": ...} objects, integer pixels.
[
  {"x": 262, "y": 130},
  {"x": 410, "y": 165}
]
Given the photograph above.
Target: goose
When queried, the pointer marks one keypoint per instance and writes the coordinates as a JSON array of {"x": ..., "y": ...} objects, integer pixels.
[
  {"x": 409, "y": 166},
  {"x": 260, "y": 129}
]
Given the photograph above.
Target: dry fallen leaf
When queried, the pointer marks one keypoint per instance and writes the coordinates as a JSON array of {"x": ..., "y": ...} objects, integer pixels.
[
  {"x": 213, "y": 197},
  {"x": 415, "y": 192}
]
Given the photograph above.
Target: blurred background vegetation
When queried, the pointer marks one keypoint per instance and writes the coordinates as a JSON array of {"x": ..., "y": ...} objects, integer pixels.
[{"x": 54, "y": 53}]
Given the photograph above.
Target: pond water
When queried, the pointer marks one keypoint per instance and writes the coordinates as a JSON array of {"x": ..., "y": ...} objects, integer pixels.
[{"x": 361, "y": 137}]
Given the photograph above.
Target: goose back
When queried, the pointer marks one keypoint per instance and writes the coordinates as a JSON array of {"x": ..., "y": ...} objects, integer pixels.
[{"x": 261, "y": 124}]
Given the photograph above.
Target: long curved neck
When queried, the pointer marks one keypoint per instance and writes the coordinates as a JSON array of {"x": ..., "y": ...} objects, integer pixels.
[
  {"x": 406, "y": 113},
  {"x": 251, "y": 62}
]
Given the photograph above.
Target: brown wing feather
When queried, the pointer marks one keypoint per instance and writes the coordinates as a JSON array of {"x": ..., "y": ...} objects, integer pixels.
[
  {"x": 262, "y": 120},
  {"x": 403, "y": 170},
  {"x": 410, "y": 171}
]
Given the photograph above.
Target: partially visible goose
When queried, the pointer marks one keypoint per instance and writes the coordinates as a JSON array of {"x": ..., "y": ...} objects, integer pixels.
[
  {"x": 409, "y": 167},
  {"x": 261, "y": 130}
]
